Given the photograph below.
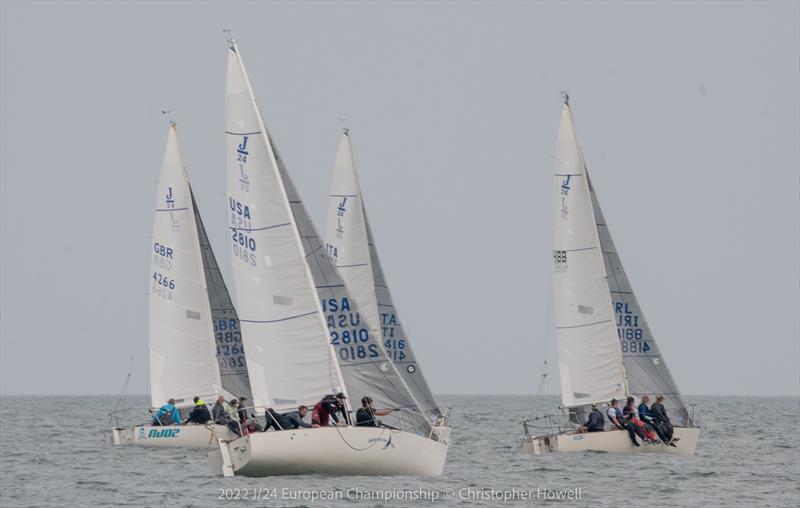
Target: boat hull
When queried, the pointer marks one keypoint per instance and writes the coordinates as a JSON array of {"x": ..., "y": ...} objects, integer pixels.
[
  {"x": 612, "y": 441},
  {"x": 173, "y": 436},
  {"x": 334, "y": 451}
]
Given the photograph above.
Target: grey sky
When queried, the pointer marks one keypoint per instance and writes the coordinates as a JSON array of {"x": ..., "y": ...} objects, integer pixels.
[{"x": 688, "y": 113}]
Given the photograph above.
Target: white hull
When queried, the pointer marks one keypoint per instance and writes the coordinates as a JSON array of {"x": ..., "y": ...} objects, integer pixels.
[
  {"x": 173, "y": 436},
  {"x": 611, "y": 441},
  {"x": 335, "y": 451}
]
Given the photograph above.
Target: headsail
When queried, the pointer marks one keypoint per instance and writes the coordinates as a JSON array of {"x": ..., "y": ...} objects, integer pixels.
[
  {"x": 646, "y": 370},
  {"x": 302, "y": 329},
  {"x": 590, "y": 363},
  {"x": 227, "y": 334},
  {"x": 351, "y": 246},
  {"x": 182, "y": 356}
]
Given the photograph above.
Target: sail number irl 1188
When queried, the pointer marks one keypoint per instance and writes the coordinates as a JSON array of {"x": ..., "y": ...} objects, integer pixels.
[{"x": 631, "y": 335}]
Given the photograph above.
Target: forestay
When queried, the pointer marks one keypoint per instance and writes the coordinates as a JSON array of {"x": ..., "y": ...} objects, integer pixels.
[
  {"x": 227, "y": 335},
  {"x": 646, "y": 370},
  {"x": 182, "y": 356},
  {"x": 590, "y": 362},
  {"x": 352, "y": 248}
]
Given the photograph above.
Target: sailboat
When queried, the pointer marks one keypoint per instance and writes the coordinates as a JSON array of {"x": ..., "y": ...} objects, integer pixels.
[
  {"x": 351, "y": 246},
  {"x": 195, "y": 342},
  {"x": 606, "y": 349},
  {"x": 302, "y": 329}
]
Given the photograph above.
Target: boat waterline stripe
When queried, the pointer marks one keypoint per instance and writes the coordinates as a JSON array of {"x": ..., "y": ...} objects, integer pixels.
[
  {"x": 242, "y": 133},
  {"x": 260, "y": 229},
  {"x": 331, "y": 286},
  {"x": 277, "y": 320},
  {"x": 581, "y": 326},
  {"x": 171, "y": 209}
]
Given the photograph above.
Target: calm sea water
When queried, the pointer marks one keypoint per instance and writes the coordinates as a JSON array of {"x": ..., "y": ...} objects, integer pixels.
[{"x": 54, "y": 452}]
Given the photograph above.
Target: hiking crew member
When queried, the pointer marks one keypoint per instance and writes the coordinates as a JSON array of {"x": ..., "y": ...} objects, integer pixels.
[
  {"x": 220, "y": 415},
  {"x": 647, "y": 416},
  {"x": 615, "y": 416},
  {"x": 327, "y": 408},
  {"x": 200, "y": 414},
  {"x": 643, "y": 430},
  {"x": 365, "y": 417},
  {"x": 659, "y": 414},
  {"x": 167, "y": 414}
]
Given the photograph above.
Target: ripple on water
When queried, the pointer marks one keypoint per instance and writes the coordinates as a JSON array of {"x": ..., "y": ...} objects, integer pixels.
[{"x": 78, "y": 464}]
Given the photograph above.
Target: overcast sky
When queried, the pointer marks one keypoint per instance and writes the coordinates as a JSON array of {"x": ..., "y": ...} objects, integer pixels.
[{"x": 688, "y": 114}]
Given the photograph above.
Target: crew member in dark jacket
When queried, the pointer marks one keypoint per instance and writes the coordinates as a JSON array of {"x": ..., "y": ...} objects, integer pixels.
[
  {"x": 199, "y": 414},
  {"x": 659, "y": 414},
  {"x": 295, "y": 419},
  {"x": 366, "y": 416},
  {"x": 646, "y": 415},
  {"x": 327, "y": 409},
  {"x": 595, "y": 422}
]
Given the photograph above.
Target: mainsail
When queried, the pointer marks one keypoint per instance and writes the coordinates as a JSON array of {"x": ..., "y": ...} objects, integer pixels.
[
  {"x": 351, "y": 246},
  {"x": 183, "y": 359},
  {"x": 302, "y": 329},
  {"x": 590, "y": 362},
  {"x": 646, "y": 370}
]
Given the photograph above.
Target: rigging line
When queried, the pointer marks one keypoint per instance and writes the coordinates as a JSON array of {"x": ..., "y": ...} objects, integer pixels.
[{"x": 124, "y": 391}]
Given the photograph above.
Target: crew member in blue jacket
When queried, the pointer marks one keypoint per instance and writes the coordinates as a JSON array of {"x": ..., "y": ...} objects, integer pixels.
[{"x": 167, "y": 414}]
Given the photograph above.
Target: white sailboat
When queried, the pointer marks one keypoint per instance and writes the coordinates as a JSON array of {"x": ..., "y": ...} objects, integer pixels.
[
  {"x": 351, "y": 246},
  {"x": 606, "y": 349},
  {"x": 195, "y": 342},
  {"x": 301, "y": 327}
]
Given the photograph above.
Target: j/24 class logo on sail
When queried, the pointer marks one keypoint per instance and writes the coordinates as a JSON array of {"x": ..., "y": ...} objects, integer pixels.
[
  {"x": 169, "y": 205},
  {"x": 564, "y": 192},
  {"x": 340, "y": 210},
  {"x": 241, "y": 159}
]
